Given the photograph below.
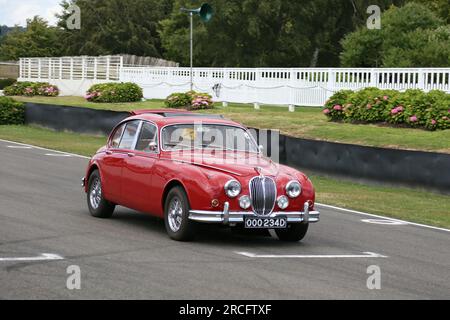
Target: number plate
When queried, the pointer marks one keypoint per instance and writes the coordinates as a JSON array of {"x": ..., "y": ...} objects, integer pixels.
[{"x": 266, "y": 223}]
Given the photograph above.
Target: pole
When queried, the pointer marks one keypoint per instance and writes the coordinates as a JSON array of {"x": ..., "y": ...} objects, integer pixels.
[{"x": 192, "y": 49}]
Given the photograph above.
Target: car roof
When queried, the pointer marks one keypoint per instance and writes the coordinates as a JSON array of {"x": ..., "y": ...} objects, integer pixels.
[{"x": 163, "y": 117}]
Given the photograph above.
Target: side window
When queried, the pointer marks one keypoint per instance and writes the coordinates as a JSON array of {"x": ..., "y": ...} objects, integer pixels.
[
  {"x": 129, "y": 135},
  {"x": 147, "y": 136},
  {"x": 117, "y": 135}
]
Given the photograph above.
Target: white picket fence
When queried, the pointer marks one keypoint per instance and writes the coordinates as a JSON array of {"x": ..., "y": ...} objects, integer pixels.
[{"x": 279, "y": 86}]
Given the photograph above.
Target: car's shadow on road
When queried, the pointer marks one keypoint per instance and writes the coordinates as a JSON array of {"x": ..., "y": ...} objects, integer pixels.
[{"x": 207, "y": 234}]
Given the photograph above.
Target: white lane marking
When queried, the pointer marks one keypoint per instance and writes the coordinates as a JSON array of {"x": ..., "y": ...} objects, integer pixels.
[
  {"x": 58, "y": 155},
  {"x": 382, "y": 217},
  {"x": 319, "y": 204},
  {"x": 45, "y": 149},
  {"x": 19, "y": 147},
  {"x": 385, "y": 222},
  {"x": 42, "y": 257},
  {"x": 311, "y": 256}
]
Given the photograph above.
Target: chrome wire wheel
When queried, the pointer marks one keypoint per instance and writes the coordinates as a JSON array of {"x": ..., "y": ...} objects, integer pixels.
[
  {"x": 175, "y": 214},
  {"x": 95, "y": 195}
]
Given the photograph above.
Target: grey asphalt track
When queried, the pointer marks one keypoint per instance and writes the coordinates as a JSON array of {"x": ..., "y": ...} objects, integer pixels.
[{"x": 43, "y": 210}]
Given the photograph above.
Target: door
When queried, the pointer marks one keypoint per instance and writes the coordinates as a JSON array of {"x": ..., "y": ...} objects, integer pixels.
[
  {"x": 121, "y": 143},
  {"x": 137, "y": 175}
]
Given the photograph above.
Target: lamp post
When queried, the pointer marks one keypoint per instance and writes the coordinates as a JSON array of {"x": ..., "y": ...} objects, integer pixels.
[{"x": 205, "y": 12}]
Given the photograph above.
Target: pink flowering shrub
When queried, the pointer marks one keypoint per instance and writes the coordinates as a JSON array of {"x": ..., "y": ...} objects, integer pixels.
[
  {"x": 190, "y": 100},
  {"x": 114, "y": 93},
  {"x": 31, "y": 89},
  {"x": 413, "y": 108},
  {"x": 335, "y": 106}
]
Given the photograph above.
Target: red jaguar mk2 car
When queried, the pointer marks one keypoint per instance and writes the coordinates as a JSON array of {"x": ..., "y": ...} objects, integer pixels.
[{"x": 189, "y": 168}]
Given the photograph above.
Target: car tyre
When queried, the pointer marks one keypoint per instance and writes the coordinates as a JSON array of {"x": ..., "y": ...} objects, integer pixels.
[
  {"x": 176, "y": 216},
  {"x": 294, "y": 232},
  {"x": 98, "y": 206}
]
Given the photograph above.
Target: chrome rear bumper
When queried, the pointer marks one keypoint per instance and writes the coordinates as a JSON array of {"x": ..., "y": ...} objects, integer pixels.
[{"x": 226, "y": 217}]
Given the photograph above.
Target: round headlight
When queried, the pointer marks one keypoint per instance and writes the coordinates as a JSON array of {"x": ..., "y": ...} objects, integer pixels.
[
  {"x": 293, "y": 189},
  {"x": 232, "y": 188},
  {"x": 283, "y": 202},
  {"x": 244, "y": 202}
]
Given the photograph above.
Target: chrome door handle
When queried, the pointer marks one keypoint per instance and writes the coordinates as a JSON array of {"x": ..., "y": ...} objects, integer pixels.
[
  {"x": 109, "y": 152},
  {"x": 130, "y": 154}
]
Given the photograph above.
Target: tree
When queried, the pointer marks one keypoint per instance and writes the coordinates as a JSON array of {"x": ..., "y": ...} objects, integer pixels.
[
  {"x": 261, "y": 33},
  {"x": 115, "y": 27},
  {"x": 410, "y": 36},
  {"x": 38, "y": 40},
  {"x": 440, "y": 7}
]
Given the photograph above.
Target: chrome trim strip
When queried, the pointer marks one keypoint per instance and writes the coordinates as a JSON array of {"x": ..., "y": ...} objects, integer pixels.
[
  {"x": 226, "y": 217},
  {"x": 226, "y": 213},
  {"x": 306, "y": 213}
]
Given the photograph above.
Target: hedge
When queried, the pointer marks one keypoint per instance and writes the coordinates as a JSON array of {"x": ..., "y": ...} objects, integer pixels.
[
  {"x": 6, "y": 83},
  {"x": 189, "y": 100},
  {"x": 31, "y": 89},
  {"x": 11, "y": 111},
  {"x": 412, "y": 108},
  {"x": 114, "y": 93}
]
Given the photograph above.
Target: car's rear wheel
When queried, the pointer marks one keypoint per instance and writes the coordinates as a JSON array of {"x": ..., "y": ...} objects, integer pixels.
[
  {"x": 98, "y": 206},
  {"x": 176, "y": 216},
  {"x": 294, "y": 232}
]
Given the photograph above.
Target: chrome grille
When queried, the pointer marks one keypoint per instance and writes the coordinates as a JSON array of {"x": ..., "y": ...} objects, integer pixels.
[{"x": 263, "y": 193}]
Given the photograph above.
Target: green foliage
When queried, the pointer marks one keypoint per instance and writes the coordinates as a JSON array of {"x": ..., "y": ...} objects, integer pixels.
[
  {"x": 30, "y": 89},
  {"x": 6, "y": 83},
  {"x": 189, "y": 100},
  {"x": 265, "y": 33},
  {"x": 410, "y": 36},
  {"x": 178, "y": 100},
  {"x": 115, "y": 27},
  {"x": 413, "y": 108},
  {"x": 114, "y": 92},
  {"x": 440, "y": 7},
  {"x": 38, "y": 40},
  {"x": 11, "y": 112}
]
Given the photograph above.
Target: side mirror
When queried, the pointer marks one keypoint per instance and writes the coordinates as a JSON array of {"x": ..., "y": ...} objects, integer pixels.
[
  {"x": 260, "y": 148},
  {"x": 153, "y": 146}
]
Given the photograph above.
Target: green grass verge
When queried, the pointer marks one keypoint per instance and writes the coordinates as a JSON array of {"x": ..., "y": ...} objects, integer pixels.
[
  {"x": 305, "y": 122},
  {"x": 402, "y": 203},
  {"x": 63, "y": 141}
]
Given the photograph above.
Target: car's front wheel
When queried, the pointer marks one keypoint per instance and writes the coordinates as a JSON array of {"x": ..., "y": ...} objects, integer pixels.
[
  {"x": 294, "y": 232},
  {"x": 176, "y": 216},
  {"x": 98, "y": 206}
]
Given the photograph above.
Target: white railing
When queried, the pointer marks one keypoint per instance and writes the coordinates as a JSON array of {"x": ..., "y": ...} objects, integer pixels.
[
  {"x": 297, "y": 86},
  {"x": 71, "y": 68},
  {"x": 283, "y": 86}
]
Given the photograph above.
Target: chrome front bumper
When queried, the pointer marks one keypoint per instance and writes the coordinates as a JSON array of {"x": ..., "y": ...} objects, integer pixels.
[{"x": 226, "y": 217}]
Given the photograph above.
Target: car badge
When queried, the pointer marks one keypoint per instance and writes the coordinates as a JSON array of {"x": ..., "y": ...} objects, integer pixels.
[{"x": 259, "y": 171}]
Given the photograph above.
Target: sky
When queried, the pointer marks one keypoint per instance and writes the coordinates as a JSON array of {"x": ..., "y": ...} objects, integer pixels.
[{"x": 14, "y": 12}]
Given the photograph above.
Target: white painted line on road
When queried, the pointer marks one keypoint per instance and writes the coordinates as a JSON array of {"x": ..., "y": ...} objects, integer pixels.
[
  {"x": 311, "y": 256},
  {"x": 385, "y": 222},
  {"x": 46, "y": 149},
  {"x": 382, "y": 217},
  {"x": 58, "y": 155},
  {"x": 19, "y": 147},
  {"x": 42, "y": 257}
]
